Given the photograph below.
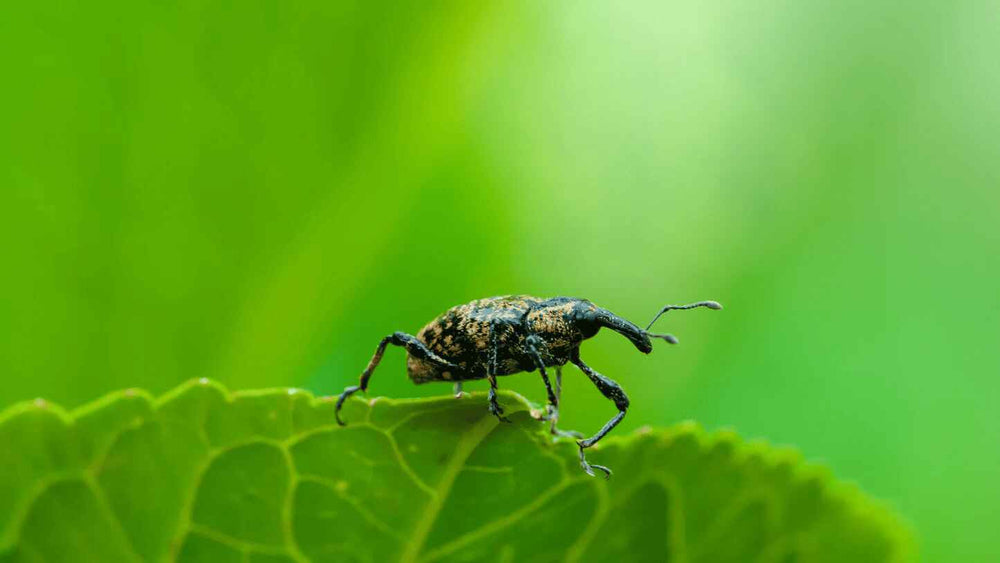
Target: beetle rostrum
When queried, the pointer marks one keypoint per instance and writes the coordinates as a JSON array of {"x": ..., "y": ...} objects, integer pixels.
[{"x": 489, "y": 338}]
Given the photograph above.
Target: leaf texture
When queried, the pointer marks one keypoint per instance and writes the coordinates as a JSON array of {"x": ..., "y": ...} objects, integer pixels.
[{"x": 202, "y": 474}]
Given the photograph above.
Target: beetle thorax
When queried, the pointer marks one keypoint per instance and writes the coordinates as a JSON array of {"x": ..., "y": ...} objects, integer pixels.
[{"x": 555, "y": 326}]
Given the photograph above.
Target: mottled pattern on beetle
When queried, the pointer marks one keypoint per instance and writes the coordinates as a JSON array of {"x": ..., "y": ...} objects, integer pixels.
[
  {"x": 554, "y": 322},
  {"x": 461, "y": 335}
]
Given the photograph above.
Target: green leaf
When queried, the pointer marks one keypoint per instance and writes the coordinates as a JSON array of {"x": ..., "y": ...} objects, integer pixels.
[{"x": 204, "y": 475}]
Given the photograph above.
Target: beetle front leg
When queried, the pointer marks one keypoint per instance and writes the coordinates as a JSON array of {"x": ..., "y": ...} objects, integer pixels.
[{"x": 612, "y": 391}]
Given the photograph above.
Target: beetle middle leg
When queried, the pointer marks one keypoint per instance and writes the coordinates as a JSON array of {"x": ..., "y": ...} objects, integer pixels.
[
  {"x": 495, "y": 408},
  {"x": 554, "y": 413},
  {"x": 414, "y": 346},
  {"x": 532, "y": 343},
  {"x": 555, "y": 401},
  {"x": 612, "y": 391},
  {"x": 491, "y": 370}
]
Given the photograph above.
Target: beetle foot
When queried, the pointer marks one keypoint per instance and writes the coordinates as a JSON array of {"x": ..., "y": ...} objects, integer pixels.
[
  {"x": 589, "y": 468},
  {"x": 551, "y": 413},
  {"x": 544, "y": 415},
  {"x": 497, "y": 411},
  {"x": 340, "y": 402}
]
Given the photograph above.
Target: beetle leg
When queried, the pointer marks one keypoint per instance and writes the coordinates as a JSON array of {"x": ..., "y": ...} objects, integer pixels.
[
  {"x": 554, "y": 404},
  {"x": 555, "y": 418},
  {"x": 554, "y": 413},
  {"x": 495, "y": 408},
  {"x": 491, "y": 369},
  {"x": 558, "y": 384},
  {"x": 552, "y": 407},
  {"x": 612, "y": 391},
  {"x": 413, "y": 346},
  {"x": 531, "y": 344}
]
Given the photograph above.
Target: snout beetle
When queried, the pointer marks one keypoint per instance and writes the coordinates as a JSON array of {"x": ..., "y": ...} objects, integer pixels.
[{"x": 488, "y": 338}]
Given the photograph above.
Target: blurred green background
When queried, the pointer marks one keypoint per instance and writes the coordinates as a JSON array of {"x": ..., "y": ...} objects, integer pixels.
[{"x": 258, "y": 191}]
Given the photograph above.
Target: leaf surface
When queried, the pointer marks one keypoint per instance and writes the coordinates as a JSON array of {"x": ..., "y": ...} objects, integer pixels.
[{"x": 202, "y": 474}]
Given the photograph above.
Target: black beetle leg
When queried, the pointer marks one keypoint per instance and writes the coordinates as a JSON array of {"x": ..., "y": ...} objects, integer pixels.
[
  {"x": 491, "y": 369},
  {"x": 612, "y": 391},
  {"x": 495, "y": 408},
  {"x": 555, "y": 418},
  {"x": 552, "y": 407},
  {"x": 413, "y": 346},
  {"x": 558, "y": 384},
  {"x": 554, "y": 412}
]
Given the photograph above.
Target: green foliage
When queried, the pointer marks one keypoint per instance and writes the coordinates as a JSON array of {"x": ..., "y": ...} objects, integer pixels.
[
  {"x": 204, "y": 475},
  {"x": 258, "y": 191}
]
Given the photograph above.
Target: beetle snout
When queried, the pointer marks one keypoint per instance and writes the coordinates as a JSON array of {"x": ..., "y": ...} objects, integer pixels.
[
  {"x": 636, "y": 335},
  {"x": 640, "y": 340},
  {"x": 645, "y": 346}
]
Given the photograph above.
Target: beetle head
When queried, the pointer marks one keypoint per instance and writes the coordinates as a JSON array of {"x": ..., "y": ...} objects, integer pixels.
[{"x": 590, "y": 320}]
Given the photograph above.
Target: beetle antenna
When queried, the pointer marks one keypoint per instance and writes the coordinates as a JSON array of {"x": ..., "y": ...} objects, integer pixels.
[{"x": 710, "y": 304}]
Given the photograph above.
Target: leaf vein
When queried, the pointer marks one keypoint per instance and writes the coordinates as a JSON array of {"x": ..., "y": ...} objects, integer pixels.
[
  {"x": 425, "y": 522},
  {"x": 364, "y": 512},
  {"x": 499, "y": 524},
  {"x": 102, "y": 500}
]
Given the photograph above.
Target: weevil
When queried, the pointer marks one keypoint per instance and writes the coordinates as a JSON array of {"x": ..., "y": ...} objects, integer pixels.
[{"x": 497, "y": 336}]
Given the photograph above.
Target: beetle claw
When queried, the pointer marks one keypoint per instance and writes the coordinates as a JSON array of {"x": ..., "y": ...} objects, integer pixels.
[
  {"x": 588, "y": 468},
  {"x": 497, "y": 411},
  {"x": 340, "y": 402},
  {"x": 607, "y": 471}
]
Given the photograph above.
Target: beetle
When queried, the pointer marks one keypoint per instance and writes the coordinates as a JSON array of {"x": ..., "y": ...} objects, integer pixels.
[{"x": 504, "y": 335}]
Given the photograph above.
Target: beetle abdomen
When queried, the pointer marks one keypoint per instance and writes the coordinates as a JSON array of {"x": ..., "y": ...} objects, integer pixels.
[{"x": 462, "y": 336}]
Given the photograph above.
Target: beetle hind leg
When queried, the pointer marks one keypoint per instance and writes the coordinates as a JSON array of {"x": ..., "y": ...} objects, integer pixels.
[
  {"x": 347, "y": 392},
  {"x": 413, "y": 346}
]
